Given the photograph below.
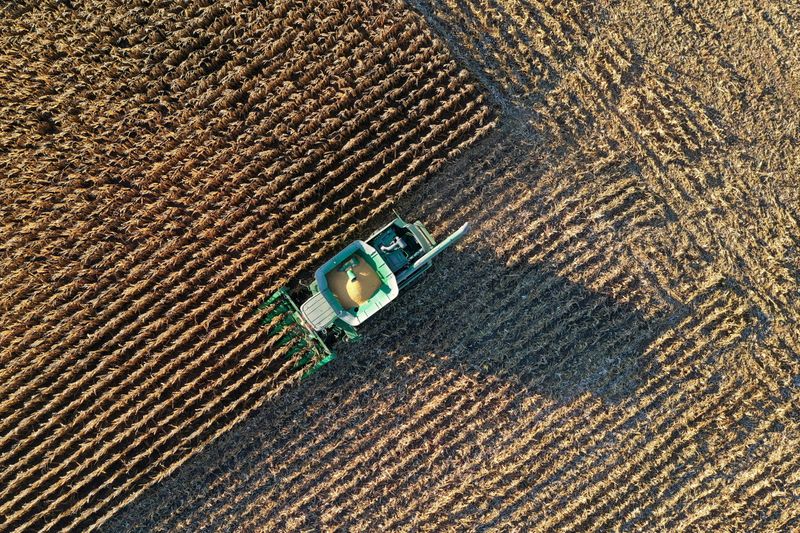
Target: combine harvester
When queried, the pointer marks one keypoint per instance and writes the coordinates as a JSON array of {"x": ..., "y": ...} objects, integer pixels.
[{"x": 352, "y": 286}]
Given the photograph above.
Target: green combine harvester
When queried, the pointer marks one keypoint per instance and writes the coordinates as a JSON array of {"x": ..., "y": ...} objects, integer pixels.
[{"x": 352, "y": 286}]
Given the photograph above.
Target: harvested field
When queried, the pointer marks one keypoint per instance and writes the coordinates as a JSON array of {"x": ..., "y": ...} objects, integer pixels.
[
  {"x": 614, "y": 346},
  {"x": 163, "y": 170}
]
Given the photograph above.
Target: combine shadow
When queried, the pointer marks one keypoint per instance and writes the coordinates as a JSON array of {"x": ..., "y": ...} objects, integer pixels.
[
  {"x": 523, "y": 324},
  {"x": 523, "y": 329}
]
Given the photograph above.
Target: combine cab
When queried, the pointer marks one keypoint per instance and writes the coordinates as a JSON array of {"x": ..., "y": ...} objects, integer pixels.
[{"x": 361, "y": 280}]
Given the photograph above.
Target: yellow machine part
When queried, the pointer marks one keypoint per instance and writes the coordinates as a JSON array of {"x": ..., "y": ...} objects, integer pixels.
[{"x": 357, "y": 291}]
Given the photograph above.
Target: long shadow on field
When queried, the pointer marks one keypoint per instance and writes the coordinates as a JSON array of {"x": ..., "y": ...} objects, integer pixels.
[
  {"x": 523, "y": 324},
  {"x": 514, "y": 333}
]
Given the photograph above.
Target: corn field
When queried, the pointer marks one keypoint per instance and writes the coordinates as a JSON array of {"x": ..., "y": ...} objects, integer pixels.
[
  {"x": 165, "y": 167},
  {"x": 614, "y": 346}
]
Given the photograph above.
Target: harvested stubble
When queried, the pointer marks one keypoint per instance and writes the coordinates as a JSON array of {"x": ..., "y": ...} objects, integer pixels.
[
  {"x": 164, "y": 167},
  {"x": 615, "y": 345}
]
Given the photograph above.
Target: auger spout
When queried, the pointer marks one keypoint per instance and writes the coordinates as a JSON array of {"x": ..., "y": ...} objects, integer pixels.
[{"x": 439, "y": 248}]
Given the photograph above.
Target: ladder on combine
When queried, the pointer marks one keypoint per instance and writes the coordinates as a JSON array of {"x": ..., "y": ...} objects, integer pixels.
[{"x": 291, "y": 328}]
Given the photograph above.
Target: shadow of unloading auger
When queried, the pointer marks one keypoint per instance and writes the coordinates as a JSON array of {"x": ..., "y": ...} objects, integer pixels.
[{"x": 523, "y": 323}]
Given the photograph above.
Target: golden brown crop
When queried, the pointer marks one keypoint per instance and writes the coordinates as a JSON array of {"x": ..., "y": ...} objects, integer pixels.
[{"x": 164, "y": 168}]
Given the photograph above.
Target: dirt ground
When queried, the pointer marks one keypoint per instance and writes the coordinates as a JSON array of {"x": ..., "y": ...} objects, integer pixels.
[{"x": 616, "y": 343}]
